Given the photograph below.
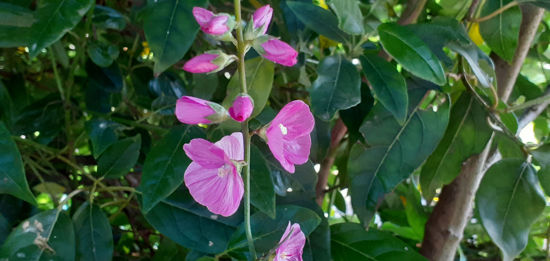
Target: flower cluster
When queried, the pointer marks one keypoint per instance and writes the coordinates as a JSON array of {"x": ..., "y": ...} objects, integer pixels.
[{"x": 220, "y": 27}]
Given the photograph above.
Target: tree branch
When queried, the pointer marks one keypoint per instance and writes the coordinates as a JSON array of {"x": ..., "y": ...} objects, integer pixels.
[{"x": 446, "y": 224}]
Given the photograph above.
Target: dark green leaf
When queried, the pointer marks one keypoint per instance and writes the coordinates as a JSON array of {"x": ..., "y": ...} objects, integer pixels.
[
  {"x": 319, "y": 20},
  {"x": 49, "y": 235},
  {"x": 102, "y": 54},
  {"x": 108, "y": 79},
  {"x": 267, "y": 232},
  {"x": 259, "y": 80},
  {"x": 501, "y": 32},
  {"x": 119, "y": 158},
  {"x": 44, "y": 117},
  {"x": 54, "y": 19},
  {"x": 205, "y": 85},
  {"x": 12, "y": 174},
  {"x": 388, "y": 85},
  {"x": 107, "y": 18},
  {"x": 350, "y": 241},
  {"x": 337, "y": 87},
  {"x": 93, "y": 234},
  {"x": 169, "y": 251},
  {"x": 170, "y": 29},
  {"x": 411, "y": 52},
  {"x": 167, "y": 87},
  {"x": 15, "y": 25},
  {"x": 395, "y": 151},
  {"x": 453, "y": 8},
  {"x": 102, "y": 135},
  {"x": 261, "y": 188},
  {"x": 350, "y": 18},
  {"x": 165, "y": 165},
  {"x": 542, "y": 155},
  {"x": 509, "y": 201},
  {"x": 354, "y": 116},
  {"x": 467, "y": 134},
  {"x": 191, "y": 225}
]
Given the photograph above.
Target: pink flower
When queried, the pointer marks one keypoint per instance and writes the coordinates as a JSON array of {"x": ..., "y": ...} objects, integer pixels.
[
  {"x": 279, "y": 52},
  {"x": 291, "y": 245},
  {"x": 213, "y": 177},
  {"x": 262, "y": 18},
  {"x": 209, "y": 22},
  {"x": 288, "y": 134},
  {"x": 191, "y": 110},
  {"x": 201, "y": 64},
  {"x": 242, "y": 108}
]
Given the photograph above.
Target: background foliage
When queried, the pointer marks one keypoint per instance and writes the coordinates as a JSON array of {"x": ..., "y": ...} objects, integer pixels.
[{"x": 405, "y": 95}]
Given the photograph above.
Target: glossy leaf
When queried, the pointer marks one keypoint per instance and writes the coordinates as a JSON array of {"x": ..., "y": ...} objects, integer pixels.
[
  {"x": 502, "y": 31},
  {"x": 411, "y": 52},
  {"x": 318, "y": 19},
  {"x": 191, "y": 225},
  {"x": 467, "y": 134},
  {"x": 107, "y": 18},
  {"x": 350, "y": 241},
  {"x": 267, "y": 232},
  {"x": 165, "y": 165},
  {"x": 542, "y": 155},
  {"x": 509, "y": 201},
  {"x": 259, "y": 81},
  {"x": 12, "y": 173},
  {"x": 54, "y": 19},
  {"x": 354, "y": 116},
  {"x": 350, "y": 18},
  {"x": 119, "y": 158},
  {"x": 93, "y": 234},
  {"x": 15, "y": 25},
  {"x": 102, "y": 135},
  {"x": 395, "y": 151},
  {"x": 102, "y": 54},
  {"x": 170, "y": 29},
  {"x": 337, "y": 87},
  {"x": 48, "y": 235},
  {"x": 262, "y": 192},
  {"x": 388, "y": 85}
]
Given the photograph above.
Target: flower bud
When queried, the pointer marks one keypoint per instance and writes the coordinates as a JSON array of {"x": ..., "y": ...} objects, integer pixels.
[
  {"x": 210, "y": 23},
  {"x": 262, "y": 18},
  {"x": 242, "y": 108},
  {"x": 209, "y": 62},
  {"x": 191, "y": 110},
  {"x": 276, "y": 50}
]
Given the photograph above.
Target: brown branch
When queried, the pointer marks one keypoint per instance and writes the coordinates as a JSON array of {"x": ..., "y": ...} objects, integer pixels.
[
  {"x": 412, "y": 11},
  {"x": 446, "y": 224}
]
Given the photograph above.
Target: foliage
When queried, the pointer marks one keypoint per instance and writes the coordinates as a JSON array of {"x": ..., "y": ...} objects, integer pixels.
[{"x": 91, "y": 154}]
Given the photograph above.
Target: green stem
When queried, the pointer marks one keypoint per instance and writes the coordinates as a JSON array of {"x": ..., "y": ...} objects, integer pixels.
[
  {"x": 56, "y": 74},
  {"x": 529, "y": 103},
  {"x": 241, "y": 50}
]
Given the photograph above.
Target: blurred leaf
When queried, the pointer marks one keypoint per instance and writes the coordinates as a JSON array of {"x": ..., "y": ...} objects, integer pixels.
[
  {"x": 119, "y": 158},
  {"x": 388, "y": 85},
  {"x": 354, "y": 116},
  {"x": 337, "y": 87},
  {"x": 102, "y": 54},
  {"x": 467, "y": 134},
  {"x": 170, "y": 29},
  {"x": 165, "y": 165},
  {"x": 191, "y": 225},
  {"x": 350, "y": 18},
  {"x": 12, "y": 174},
  {"x": 15, "y": 25},
  {"x": 319, "y": 20},
  {"x": 107, "y": 18},
  {"x": 320, "y": 140},
  {"x": 507, "y": 147},
  {"x": 411, "y": 52},
  {"x": 48, "y": 235},
  {"x": 6, "y": 106},
  {"x": 54, "y": 18},
  {"x": 108, "y": 79},
  {"x": 501, "y": 32},
  {"x": 169, "y": 251},
  {"x": 93, "y": 234},
  {"x": 542, "y": 155},
  {"x": 262, "y": 193},
  {"x": 350, "y": 241},
  {"x": 259, "y": 80},
  {"x": 267, "y": 232},
  {"x": 44, "y": 117},
  {"x": 395, "y": 151},
  {"x": 455, "y": 9},
  {"x": 102, "y": 135},
  {"x": 509, "y": 201},
  {"x": 205, "y": 85},
  {"x": 49, "y": 187}
]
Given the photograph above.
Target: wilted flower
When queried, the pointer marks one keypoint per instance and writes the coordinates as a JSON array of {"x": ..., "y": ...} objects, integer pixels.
[
  {"x": 276, "y": 51},
  {"x": 291, "y": 245},
  {"x": 211, "y": 23},
  {"x": 262, "y": 18},
  {"x": 242, "y": 108},
  {"x": 288, "y": 134},
  {"x": 213, "y": 177},
  {"x": 191, "y": 110}
]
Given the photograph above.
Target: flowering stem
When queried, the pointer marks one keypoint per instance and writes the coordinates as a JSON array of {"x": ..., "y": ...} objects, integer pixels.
[{"x": 241, "y": 50}]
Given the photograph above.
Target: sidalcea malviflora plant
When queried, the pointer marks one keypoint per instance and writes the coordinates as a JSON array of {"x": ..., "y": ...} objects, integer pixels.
[{"x": 219, "y": 175}]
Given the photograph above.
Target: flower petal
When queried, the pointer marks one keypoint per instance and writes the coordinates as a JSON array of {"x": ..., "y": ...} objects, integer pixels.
[
  {"x": 220, "y": 194},
  {"x": 280, "y": 52},
  {"x": 202, "y": 15},
  {"x": 276, "y": 142},
  {"x": 297, "y": 150},
  {"x": 233, "y": 146},
  {"x": 205, "y": 153},
  {"x": 201, "y": 63},
  {"x": 291, "y": 244},
  {"x": 296, "y": 118}
]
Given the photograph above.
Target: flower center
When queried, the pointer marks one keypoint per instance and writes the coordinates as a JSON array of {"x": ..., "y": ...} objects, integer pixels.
[
  {"x": 224, "y": 170},
  {"x": 284, "y": 131},
  {"x": 284, "y": 256}
]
